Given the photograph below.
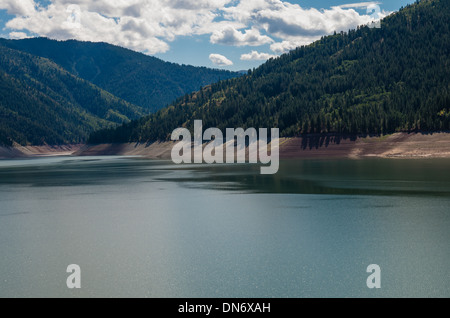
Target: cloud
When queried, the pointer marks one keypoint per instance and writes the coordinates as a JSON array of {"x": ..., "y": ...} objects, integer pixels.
[
  {"x": 18, "y": 35},
  {"x": 62, "y": 21},
  {"x": 143, "y": 25},
  {"x": 293, "y": 21},
  {"x": 220, "y": 60},
  {"x": 150, "y": 25},
  {"x": 295, "y": 25},
  {"x": 285, "y": 46},
  {"x": 372, "y": 9},
  {"x": 197, "y": 4},
  {"x": 233, "y": 37},
  {"x": 359, "y": 5},
  {"x": 18, "y": 8},
  {"x": 256, "y": 56}
]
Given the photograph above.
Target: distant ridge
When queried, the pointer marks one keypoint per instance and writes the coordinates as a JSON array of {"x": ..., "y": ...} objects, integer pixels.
[
  {"x": 135, "y": 77},
  {"x": 41, "y": 103}
]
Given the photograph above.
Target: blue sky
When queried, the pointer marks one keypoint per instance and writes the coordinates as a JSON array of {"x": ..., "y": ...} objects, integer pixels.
[{"x": 227, "y": 34}]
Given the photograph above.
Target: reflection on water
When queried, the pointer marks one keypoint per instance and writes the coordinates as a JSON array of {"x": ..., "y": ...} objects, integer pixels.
[
  {"x": 150, "y": 229},
  {"x": 370, "y": 177}
]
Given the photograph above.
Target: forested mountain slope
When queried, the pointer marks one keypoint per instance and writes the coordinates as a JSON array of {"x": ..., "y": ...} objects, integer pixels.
[
  {"x": 42, "y": 103},
  {"x": 366, "y": 81},
  {"x": 135, "y": 77}
]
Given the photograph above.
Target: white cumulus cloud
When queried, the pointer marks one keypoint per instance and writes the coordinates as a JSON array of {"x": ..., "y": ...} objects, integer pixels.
[
  {"x": 19, "y": 7},
  {"x": 295, "y": 25},
  {"x": 18, "y": 35},
  {"x": 150, "y": 25},
  {"x": 286, "y": 46},
  {"x": 233, "y": 37},
  {"x": 359, "y": 4},
  {"x": 220, "y": 60},
  {"x": 256, "y": 56}
]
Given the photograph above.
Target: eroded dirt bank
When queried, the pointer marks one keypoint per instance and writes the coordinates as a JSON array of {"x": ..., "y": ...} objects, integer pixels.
[
  {"x": 399, "y": 145},
  {"x": 38, "y": 151}
]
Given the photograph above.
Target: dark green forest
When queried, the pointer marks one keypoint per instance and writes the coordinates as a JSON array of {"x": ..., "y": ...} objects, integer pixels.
[
  {"x": 42, "y": 103},
  {"x": 364, "y": 81},
  {"x": 135, "y": 77}
]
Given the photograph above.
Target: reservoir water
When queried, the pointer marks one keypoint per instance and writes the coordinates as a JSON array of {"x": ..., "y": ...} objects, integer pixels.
[{"x": 141, "y": 228}]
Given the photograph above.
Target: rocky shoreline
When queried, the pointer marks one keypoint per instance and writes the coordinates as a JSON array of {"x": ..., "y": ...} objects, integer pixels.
[{"x": 399, "y": 145}]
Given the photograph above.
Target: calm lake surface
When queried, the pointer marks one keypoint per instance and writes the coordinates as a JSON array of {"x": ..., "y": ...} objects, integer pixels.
[{"x": 140, "y": 228}]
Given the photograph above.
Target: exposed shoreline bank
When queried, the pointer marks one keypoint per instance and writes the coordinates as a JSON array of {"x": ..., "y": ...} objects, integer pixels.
[
  {"x": 399, "y": 145},
  {"x": 17, "y": 151}
]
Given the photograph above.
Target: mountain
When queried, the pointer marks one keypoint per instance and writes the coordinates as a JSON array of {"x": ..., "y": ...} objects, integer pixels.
[
  {"x": 40, "y": 102},
  {"x": 365, "y": 81},
  {"x": 137, "y": 78}
]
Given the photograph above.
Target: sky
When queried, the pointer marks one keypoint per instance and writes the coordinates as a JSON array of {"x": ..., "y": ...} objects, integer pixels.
[{"x": 226, "y": 34}]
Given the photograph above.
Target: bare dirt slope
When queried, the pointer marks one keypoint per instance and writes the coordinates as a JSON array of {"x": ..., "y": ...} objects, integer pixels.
[
  {"x": 158, "y": 150},
  {"x": 37, "y": 151},
  {"x": 399, "y": 145}
]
